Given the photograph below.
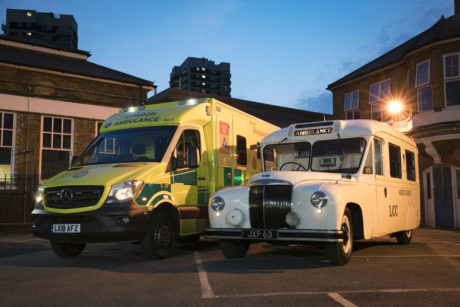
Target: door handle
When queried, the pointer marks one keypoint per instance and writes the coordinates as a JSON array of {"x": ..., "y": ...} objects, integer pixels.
[
  {"x": 201, "y": 178},
  {"x": 385, "y": 192}
]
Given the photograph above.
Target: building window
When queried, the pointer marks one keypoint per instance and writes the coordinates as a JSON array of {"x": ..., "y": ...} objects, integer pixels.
[
  {"x": 351, "y": 100},
  {"x": 6, "y": 146},
  {"x": 425, "y": 99},
  {"x": 56, "y": 145},
  {"x": 395, "y": 161},
  {"x": 241, "y": 150},
  {"x": 376, "y": 111},
  {"x": 379, "y": 91},
  {"x": 351, "y": 105},
  {"x": 410, "y": 165},
  {"x": 422, "y": 73},
  {"x": 353, "y": 114},
  {"x": 428, "y": 185},
  {"x": 422, "y": 83},
  {"x": 98, "y": 128},
  {"x": 452, "y": 79}
]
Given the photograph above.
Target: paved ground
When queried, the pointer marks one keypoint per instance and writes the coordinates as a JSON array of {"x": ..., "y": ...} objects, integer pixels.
[{"x": 381, "y": 273}]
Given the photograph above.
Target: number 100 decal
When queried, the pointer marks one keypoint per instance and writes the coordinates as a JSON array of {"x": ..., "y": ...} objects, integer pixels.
[{"x": 393, "y": 210}]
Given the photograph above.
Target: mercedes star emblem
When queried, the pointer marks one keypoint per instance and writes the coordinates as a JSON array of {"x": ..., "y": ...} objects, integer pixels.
[{"x": 66, "y": 195}]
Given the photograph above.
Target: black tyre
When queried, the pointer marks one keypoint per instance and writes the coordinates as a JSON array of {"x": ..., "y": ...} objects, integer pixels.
[
  {"x": 404, "y": 237},
  {"x": 234, "y": 249},
  {"x": 67, "y": 249},
  {"x": 340, "y": 253},
  {"x": 158, "y": 241}
]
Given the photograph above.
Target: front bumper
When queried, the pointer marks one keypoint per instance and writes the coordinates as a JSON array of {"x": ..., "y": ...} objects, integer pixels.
[
  {"x": 290, "y": 235},
  {"x": 111, "y": 222}
]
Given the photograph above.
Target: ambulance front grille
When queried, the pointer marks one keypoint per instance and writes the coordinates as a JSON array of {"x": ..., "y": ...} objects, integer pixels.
[
  {"x": 73, "y": 196},
  {"x": 269, "y": 202}
]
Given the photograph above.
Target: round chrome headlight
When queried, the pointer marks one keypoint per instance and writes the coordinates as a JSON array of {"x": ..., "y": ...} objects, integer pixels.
[
  {"x": 217, "y": 203},
  {"x": 318, "y": 199}
]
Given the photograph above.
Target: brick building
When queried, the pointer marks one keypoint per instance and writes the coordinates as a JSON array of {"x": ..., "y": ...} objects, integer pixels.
[
  {"x": 52, "y": 101},
  {"x": 424, "y": 75}
]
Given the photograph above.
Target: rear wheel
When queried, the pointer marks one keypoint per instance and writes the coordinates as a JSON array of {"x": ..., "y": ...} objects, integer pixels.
[
  {"x": 158, "y": 241},
  {"x": 233, "y": 249},
  {"x": 404, "y": 237},
  {"x": 67, "y": 249},
  {"x": 340, "y": 253}
]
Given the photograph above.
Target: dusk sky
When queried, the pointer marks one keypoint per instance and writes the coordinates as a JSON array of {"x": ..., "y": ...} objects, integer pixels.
[{"x": 280, "y": 52}]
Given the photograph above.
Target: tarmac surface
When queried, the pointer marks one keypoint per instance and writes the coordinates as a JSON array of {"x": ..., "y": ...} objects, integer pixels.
[{"x": 381, "y": 273}]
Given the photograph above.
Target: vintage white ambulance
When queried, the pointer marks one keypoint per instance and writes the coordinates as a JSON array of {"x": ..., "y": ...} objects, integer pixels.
[{"x": 330, "y": 182}]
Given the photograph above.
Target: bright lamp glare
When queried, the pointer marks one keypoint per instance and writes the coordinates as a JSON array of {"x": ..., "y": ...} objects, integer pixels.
[{"x": 395, "y": 106}]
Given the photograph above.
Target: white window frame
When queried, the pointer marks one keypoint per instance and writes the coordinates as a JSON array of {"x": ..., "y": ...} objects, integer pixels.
[
  {"x": 13, "y": 142},
  {"x": 352, "y": 105},
  {"x": 418, "y": 98},
  {"x": 375, "y": 105},
  {"x": 450, "y": 79},
  {"x": 444, "y": 65},
  {"x": 417, "y": 73},
  {"x": 379, "y": 90},
  {"x": 96, "y": 130},
  {"x": 72, "y": 138}
]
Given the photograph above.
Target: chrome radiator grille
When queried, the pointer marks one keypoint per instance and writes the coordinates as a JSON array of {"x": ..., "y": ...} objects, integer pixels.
[
  {"x": 269, "y": 202},
  {"x": 73, "y": 196}
]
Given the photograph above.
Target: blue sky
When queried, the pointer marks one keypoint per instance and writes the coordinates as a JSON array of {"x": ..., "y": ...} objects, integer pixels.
[{"x": 281, "y": 52}]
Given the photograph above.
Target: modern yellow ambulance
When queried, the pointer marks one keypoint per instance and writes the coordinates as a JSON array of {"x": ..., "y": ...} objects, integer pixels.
[{"x": 147, "y": 177}]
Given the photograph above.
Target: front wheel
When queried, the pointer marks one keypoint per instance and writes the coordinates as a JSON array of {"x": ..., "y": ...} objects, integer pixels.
[
  {"x": 158, "y": 241},
  {"x": 67, "y": 249},
  {"x": 340, "y": 253},
  {"x": 404, "y": 237},
  {"x": 234, "y": 249}
]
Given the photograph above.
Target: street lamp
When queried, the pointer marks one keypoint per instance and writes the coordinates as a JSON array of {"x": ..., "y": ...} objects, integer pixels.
[{"x": 395, "y": 107}]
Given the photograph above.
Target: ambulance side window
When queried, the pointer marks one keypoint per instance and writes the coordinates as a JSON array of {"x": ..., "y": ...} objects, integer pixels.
[
  {"x": 395, "y": 160},
  {"x": 241, "y": 150},
  {"x": 410, "y": 165},
  {"x": 188, "y": 150},
  {"x": 378, "y": 157}
]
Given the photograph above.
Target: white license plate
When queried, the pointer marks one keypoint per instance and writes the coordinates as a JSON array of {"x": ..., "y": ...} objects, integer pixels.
[{"x": 65, "y": 228}]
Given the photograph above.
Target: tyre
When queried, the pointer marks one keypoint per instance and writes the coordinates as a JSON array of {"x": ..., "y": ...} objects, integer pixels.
[
  {"x": 67, "y": 249},
  {"x": 234, "y": 249},
  {"x": 340, "y": 253},
  {"x": 404, "y": 237},
  {"x": 158, "y": 241}
]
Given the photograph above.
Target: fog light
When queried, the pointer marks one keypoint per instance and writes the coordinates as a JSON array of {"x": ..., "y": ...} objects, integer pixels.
[
  {"x": 292, "y": 219},
  {"x": 234, "y": 217}
]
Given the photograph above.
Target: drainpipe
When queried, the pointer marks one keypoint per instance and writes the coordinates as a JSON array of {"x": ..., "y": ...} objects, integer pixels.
[{"x": 25, "y": 156}]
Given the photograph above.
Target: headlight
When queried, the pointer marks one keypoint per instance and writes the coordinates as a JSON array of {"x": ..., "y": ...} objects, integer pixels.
[
  {"x": 217, "y": 203},
  {"x": 125, "y": 191},
  {"x": 318, "y": 199},
  {"x": 39, "y": 198}
]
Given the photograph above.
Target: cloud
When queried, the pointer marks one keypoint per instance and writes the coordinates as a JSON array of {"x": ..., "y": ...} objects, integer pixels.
[{"x": 321, "y": 103}]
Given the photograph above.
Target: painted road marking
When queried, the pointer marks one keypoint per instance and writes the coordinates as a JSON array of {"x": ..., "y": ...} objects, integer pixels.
[
  {"x": 340, "y": 299},
  {"x": 342, "y": 292},
  {"x": 206, "y": 290}
]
